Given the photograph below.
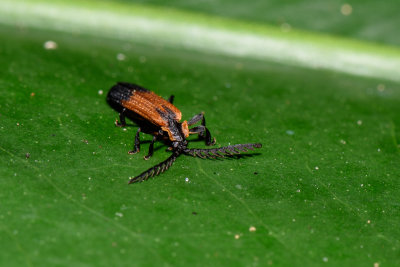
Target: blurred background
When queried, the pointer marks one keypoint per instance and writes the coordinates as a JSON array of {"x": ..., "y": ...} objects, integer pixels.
[{"x": 367, "y": 20}]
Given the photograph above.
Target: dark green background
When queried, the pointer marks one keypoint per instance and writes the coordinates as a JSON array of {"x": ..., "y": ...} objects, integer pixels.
[{"x": 323, "y": 190}]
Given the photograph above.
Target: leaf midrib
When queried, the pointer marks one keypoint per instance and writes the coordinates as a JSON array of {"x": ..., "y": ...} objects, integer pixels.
[{"x": 206, "y": 34}]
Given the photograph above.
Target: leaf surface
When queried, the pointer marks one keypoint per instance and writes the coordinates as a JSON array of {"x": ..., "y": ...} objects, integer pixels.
[{"x": 324, "y": 189}]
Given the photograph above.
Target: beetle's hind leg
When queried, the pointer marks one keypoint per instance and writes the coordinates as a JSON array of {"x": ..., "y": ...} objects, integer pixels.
[
  {"x": 136, "y": 146},
  {"x": 201, "y": 130}
]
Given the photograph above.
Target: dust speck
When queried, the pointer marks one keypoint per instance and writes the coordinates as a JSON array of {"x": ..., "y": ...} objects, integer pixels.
[
  {"x": 50, "y": 45},
  {"x": 346, "y": 9},
  {"x": 290, "y": 132},
  {"x": 142, "y": 59},
  {"x": 121, "y": 57},
  {"x": 380, "y": 87},
  {"x": 286, "y": 27}
]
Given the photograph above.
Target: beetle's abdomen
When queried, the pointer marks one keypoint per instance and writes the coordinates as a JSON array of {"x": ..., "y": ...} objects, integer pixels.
[
  {"x": 123, "y": 92},
  {"x": 144, "y": 103}
]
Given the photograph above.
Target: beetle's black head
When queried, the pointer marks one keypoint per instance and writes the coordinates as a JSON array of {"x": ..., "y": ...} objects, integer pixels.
[{"x": 179, "y": 145}]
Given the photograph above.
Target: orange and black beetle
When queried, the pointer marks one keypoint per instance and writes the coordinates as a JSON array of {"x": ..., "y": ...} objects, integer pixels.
[{"x": 160, "y": 118}]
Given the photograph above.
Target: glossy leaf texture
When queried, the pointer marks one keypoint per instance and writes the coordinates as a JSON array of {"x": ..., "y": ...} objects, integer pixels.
[{"x": 323, "y": 189}]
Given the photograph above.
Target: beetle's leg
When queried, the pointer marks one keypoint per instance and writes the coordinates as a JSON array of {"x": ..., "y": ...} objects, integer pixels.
[
  {"x": 200, "y": 130},
  {"x": 122, "y": 122},
  {"x": 196, "y": 119},
  {"x": 171, "y": 99},
  {"x": 151, "y": 148},
  {"x": 136, "y": 147}
]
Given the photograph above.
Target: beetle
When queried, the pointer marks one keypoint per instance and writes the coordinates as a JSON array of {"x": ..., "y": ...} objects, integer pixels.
[{"x": 160, "y": 118}]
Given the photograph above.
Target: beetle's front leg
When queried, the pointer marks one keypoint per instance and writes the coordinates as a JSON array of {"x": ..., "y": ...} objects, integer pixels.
[
  {"x": 136, "y": 146},
  {"x": 201, "y": 131},
  {"x": 122, "y": 122},
  {"x": 196, "y": 119}
]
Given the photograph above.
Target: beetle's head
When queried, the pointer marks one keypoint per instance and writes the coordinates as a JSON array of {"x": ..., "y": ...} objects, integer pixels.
[{"x": 179, "y": 145}]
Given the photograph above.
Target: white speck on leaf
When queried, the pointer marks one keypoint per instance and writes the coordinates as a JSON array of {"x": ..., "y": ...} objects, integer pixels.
[
  {"x": 286, "y": 27},
  {"x": 50, "y": 45},
  {"x": 121, "y": 57},
  {"x": 346, "y": 9},
  {"x": 381, "y": 87},
  {"x": 290, "y": 132}
]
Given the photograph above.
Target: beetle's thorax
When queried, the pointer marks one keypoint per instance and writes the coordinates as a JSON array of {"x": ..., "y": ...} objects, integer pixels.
[{"x": 177, "y": 132}]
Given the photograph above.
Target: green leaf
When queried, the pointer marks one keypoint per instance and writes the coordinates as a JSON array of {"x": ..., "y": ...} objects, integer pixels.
[{"x": 324, "y": 189}]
